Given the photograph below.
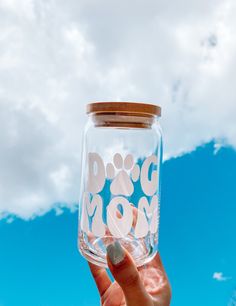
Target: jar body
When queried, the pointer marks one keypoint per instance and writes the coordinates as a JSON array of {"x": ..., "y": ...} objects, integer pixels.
[{"x": 120, "y": 189}]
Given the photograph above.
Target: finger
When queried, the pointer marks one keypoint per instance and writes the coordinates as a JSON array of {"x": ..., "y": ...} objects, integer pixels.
[
  {"x": 101, "y": 278},
  {"x": 155, "y": 281},
  {"x": 126, "y": 274},
  {"x": 135, "y": 215},
  {"x": 157, "y": 266},
  {"x": 154, "y": 263}
]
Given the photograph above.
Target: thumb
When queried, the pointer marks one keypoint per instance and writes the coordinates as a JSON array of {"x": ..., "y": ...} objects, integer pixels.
[{"x": 127, "y": 276}]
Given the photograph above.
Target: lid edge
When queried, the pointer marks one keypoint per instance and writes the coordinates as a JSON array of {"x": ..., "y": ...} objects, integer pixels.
[{"x": 123, "y": 107}]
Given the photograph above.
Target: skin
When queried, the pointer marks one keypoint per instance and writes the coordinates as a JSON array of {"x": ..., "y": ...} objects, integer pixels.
[{"x": 144, "y": 286}]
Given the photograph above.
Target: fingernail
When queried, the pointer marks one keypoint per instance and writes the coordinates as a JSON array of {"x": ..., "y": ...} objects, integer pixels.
[{"x": 115, "y": 253}]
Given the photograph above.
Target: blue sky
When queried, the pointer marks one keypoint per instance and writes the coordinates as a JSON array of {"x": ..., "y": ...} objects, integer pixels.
[
  {"x": 40, "y": 264},
  {"x": 57, "y": 56}
]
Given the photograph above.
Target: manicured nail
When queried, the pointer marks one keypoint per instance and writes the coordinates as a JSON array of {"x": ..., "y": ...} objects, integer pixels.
[{"x": 115, "y": 253}]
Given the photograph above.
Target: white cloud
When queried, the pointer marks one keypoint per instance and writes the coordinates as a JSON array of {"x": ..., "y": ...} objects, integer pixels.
[
  {"x": 220, "y": 277},
  {"x": 56, "y": 56}
]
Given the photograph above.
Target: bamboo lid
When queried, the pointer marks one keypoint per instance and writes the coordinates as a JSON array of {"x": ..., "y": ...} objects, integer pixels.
[{"x": 126, "y": 108}]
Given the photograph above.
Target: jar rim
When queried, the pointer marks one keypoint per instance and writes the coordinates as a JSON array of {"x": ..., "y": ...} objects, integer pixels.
[{"x": 126, "y": 108}]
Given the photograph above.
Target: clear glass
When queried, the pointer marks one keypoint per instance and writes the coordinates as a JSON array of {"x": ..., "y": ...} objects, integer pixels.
[{"x": 120, "y": 186}]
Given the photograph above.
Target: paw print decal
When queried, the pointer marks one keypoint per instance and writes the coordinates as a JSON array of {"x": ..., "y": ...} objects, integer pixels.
[{"x": 118, "y": 172}]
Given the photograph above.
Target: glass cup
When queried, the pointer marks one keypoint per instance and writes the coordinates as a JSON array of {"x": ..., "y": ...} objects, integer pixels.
[{"x": 120, "y": 182}]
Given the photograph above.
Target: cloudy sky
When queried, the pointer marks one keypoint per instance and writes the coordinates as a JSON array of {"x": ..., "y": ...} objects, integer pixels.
[{"x": 56, "y": 56}]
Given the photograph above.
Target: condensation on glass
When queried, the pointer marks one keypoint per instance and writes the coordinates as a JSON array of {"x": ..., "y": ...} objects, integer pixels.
[{"x": 120, "y": 181}]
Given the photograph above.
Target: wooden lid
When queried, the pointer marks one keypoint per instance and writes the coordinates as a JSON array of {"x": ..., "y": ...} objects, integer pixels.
[{"x": 126, "y": 108}]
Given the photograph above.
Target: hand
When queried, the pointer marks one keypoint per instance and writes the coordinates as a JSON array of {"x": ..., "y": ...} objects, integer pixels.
[{"x": 144, "y": 286}]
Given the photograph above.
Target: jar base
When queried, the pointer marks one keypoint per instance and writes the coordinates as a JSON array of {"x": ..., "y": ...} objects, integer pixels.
[{"x": 97, "y": 254}]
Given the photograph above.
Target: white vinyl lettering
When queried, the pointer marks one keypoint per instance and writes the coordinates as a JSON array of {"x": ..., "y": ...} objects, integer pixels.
[
  {"x": 96, "y": 173},
  {"x": 119, "y": 225},
  {"x": 94, "y": 208},
  {"x": 149, "y": 186},
  {"x": 142, "y": 227}
]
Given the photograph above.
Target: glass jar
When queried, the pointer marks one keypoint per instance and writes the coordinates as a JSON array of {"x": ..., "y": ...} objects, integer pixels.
[{"x": 120, "y": 181}]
